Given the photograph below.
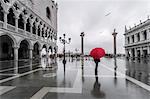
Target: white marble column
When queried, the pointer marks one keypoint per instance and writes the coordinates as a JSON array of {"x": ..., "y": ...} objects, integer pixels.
[
  {"x": 16, "y": 53},
  {"x": 148, "y": 49},
  {"x": 141, "y": 36},
  {"x": 135, "y": 50},
  {"x": 31, "y": 54},
  {"x": 141, "y": 51},
  {"x": 126, "y": 52},
  {"x": 148, "y": 34},
  {"x": 131, "y": 53},
  {"x": 130, "y": 39},
  {"x": 16, "y": 23},
  {"x": 135, "y": 38},
  {"x": 16, "y": 59},
  {"x": 25, "y": 26},
  {"x": 31, "y": 28},
  {"x": 40, "y": 51},
  {"x": 5, "y": 20}
]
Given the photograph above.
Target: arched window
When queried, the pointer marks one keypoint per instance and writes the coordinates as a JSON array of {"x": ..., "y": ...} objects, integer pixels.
[
  {"x": 46, "y": 33},
  {"x": 28, "y": 25},
  {"x": 6, "y": 1},
  {"x": 42, "y": 32},
  {"x": 1, "y": 13},
  {"x": 48, "y": 13},
  {"x": 11, "y": 17},
  {"x": 138, "y": 36},
  {"x": 20, "y": 22},
  {"x": 34, "y": 28},
  {"x": 49, "y": 34},
  {"x": 39, "y": 30},
  {"x": 128, "y": 40},
  {"x": 132, "y": 38}
]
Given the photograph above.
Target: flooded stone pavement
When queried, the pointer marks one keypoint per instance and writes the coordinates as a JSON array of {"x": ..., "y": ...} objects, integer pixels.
[{"x": 79, "y": 81}]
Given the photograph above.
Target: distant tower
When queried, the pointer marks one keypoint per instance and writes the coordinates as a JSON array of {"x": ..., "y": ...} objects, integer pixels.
[
  {"x": 114, "y": 35},
  {"x": 82, "y": 43}
]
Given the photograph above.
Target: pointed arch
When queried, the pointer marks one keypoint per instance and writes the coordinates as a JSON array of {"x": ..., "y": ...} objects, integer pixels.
[
  {"x": 11, "y": 17},
  {"x": 10, "y": 36},
  {"x": 21, "y": 22},
  {"x": 6, "y": 47}
]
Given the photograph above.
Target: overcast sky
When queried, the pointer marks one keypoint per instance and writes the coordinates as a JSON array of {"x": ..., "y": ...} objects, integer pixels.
[{"x": 97, "y": 19}]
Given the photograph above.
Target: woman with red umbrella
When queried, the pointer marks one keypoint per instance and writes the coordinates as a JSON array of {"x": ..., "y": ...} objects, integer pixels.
[{"x": 97, "y": 53}]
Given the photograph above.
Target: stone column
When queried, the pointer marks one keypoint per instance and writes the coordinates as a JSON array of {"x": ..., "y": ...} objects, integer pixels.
[
  {"x": 31, "y": 54},
  {"x": 141, "y": 36},
  {"x": 36, "y": 29},
  {"x": 16, "y": 59},
  {"x": 126, "y": 40},
  {"x": 25, "y": 26},
  {"x": 148, "y": 34},
  {"x": 148, "y": 49},
  {"x": 130, "y": 39},
  {"x": 16, "y": 53},
  {"x": 31, "y": 28},
  {"x": 5, "y": 20},
  {"x": 44, "y": 33},
  {"x": 141, "y": 51},
  {"x": 135, "y": 38},
  {"x": 131, "y": 53},
  {"x": 40, "y": 51},
  {"x": 135, "y": 50},
  {"x": 126, "y": 52},
  {"x": 41, "y": 30},
  {"x": 16, "y": 23}
]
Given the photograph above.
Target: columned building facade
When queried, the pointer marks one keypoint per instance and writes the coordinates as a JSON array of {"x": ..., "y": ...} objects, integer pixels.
[
  {"x": 137, "y": 40},
  {"x": 27, "y": 26}
]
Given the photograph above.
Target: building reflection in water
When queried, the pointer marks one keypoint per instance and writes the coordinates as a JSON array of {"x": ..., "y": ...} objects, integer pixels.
[
  {"x": 115, "y": 71},
  {"x": 96, "y": 92},
  {"x": 139, "y": 70},
  {"x": 48, "y": 63},
  {"x": 44, "y": 62},
  {"x": 64, "y": 68}
]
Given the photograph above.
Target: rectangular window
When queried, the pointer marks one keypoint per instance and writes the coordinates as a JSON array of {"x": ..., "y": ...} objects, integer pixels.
[
  {"x": 138, "y": 37},
  {"x": 128, "y": 40},
  {"x": 133, "y": 38}
]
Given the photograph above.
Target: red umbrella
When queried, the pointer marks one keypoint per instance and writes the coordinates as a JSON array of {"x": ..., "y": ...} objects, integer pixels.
[{"x": 97, "y": 53}]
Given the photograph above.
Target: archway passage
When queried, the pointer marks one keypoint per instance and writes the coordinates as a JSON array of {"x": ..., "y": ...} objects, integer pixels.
[
  {"x": 36, "y": 56},
  {"x": 23, "y": 52},
  {"x": 6, "y": 48},
  {"x": 36, "y": 53}
]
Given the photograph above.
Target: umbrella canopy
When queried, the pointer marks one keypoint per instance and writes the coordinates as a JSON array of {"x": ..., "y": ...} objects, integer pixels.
[{"x": 97, "y": 53}]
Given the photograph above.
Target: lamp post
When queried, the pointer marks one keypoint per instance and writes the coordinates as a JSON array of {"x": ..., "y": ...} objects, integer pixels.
[
  {"x": 82, "y": 43},
  {"x": 114, "y": 35},
  {"x": 64, "y": 41}
]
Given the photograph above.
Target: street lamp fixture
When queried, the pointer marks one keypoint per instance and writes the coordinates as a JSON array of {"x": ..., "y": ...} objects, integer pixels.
[{"x": 64, "y": 42}]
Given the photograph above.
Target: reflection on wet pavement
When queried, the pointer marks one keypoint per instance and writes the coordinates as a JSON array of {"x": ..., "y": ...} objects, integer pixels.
[
  {"x": 79, "y": 80},
  {"x": 140, "y": 70}
]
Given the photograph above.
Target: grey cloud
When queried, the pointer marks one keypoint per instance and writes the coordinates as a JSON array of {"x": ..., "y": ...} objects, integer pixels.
[{"x": 76, "y": 16}]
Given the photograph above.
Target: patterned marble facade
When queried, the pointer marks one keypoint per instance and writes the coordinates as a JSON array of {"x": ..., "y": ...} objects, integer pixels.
[{"x": 26, "y": 27}]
